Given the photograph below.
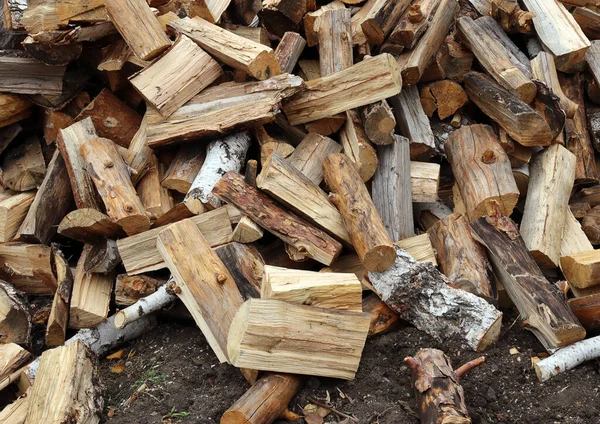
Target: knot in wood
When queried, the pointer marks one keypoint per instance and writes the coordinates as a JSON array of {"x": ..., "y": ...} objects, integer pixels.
[
  {"x": 414, "y": 14},
  {"x": 488, "y": 157},
  {"x": 221, "y": 278},
  {"x": 108, "y": 163},
  {"x": 129, "y": 208}
]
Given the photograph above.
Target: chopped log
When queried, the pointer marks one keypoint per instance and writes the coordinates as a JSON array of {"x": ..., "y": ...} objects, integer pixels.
[
  {"x": 24, "y": 75},
  {"x": 15, "y": 317},
  {"x": 103, "y": 257},
  {"x": 568, "y": 358},
  {"x": 517, "y": 118},
  {"x": 16, "y": 412},
  {"x": 253, "y": 58},
  {"x": 312, "y": 21},
  {"x": 391, "y": 189},
  {"x": 511, "y": 17},
  {"x": 591, "y": 225},
  {"x": 288, "y": 185},
  {"x": 246, "y": 10},
  {"x": 114, "y": 56},
  {"x": 204, "y": 284},
  {"x": 138, "y": 26},
  {"x": 12, "y": 358},
  {"x": 23, "y": 165},
  {"x": 58, "y": 320},
  {"x": 428, "y": 214},
  {"x": 303, "y": 350},
  {"x": 419, "y": 247},
  {"x": 39, "y": 17},
  {"x": 131, "y": 288},
  {"x": 357, "y": 147},
  {"x": 413, "y": 123},
  {"x": 112, "y": 118},
  {"x": 518, "y": 155},
  {"x": 211, "y": 10},
  {"x": 545, "y": 213},
  {"x": 309, "y": 155},
  {"x": 220, "y": 110},
  {"x": 245, "y": 264},
  {"x": 491, "y": 180},
  {"x": 195, "y": 71},
  {"x": 361, "y": 84},
  {"x": 27, "y": 267},
  {"x": 341, "y": 291},
  {"x": 185, "y": 166},
  {"x": 406, "y": 288},
  {"x": 69, "y": 142},
  {"x": 500, "y": 57},
  {"x": 155, "y": 198},
  {"x": 413, "y": 23},
  {"x": 414, "y": 62},
  {"x": 138, "y": 154},
  {"x": 247, "y": 231},
  {"x": 379, "y": 122},
  {"x": 335, "y": 42},
  {"x": 559, "y": 33},
  {"x": 13, "y": 108},
  {"x": 581, "y": 269},
  {"x": 258, "y": 35},
  {"x": 161, "y": 298},
  {"x": 383, "y": 319},
  {"x": 588, "y": 19},
  {"x": 593, "y": 120},
  {"x": 52, "y": 50},
  {"x": 574, "y": 239},
  {"x": 424, "y": 181},
  {"x": 88, "y": 225},
  {"x": 444, "y": 96},
  {"x": 543, "y": 311},
  {"x": 461, "y": 258},
  {"x": 544, "y": 69},
  {"x": 91, "y": 295},
  {"x": 440, "y": 397},
  {"x": 280, "y": 16},
  {"x": 139, "y": 253},
  {"x": 111, "y": 177},
  {"x": 367, "y": 232},
  {"x": 380, "y": 18},
  {"x": 13, "y": 209},
  {"x": 265, "y": 401},
  {"x": 288, "y": 51}
]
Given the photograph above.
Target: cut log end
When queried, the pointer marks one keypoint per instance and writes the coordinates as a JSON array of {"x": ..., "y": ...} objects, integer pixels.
[{"x": 379, "y": 258}]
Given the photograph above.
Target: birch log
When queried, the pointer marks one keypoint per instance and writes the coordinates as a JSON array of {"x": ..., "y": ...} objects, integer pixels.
[
  {"x": 161, "y": 298},
  {"x": 568, "y": 358}
]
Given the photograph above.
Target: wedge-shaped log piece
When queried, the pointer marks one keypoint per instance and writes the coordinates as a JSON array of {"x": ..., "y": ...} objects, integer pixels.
[
  {"x": 42, "y": 16},
  {"x": 58, "y": 320},
  {"x": 139, "y": 253},
  {"x": 357, "y": 147},
  {"x": 559, "y": 33},
  {"x": 13, "y": 108},
  {"x": 15, "y": 317},
  {"x": 491, "y": 179},
  {"x": 114, "y": 56},
  {"x": 574, "y": 239},
  {"x": 13, "y": 209},
  {"x": 16, "y": 412},
  {"x": 64, "y": 388},
  {"x": 206, "y": 287},
  {"x": 139, "y": 27},
  {"x": 247, "y": 231},
  {"x": 367, "y": 232},
  {"x": 359, "y": 85},
  {"x": 286, "y": 225},
  {"x": 289, "y": 50},
  {"x": 500, "y": 57},
  {"x": 280, "y": 16},
  {"x": 425, "y": 181},
  {"x": 23, "y": 165},
  {"x": 546, "y": 211},
  {"x": 413, "y": 23},
  {"x": 381, "y": 18},
  {"x": 542, "y": 309},
  {"x": 88, "y": 225},
  {"x": 255, "y": 59},
  {"x": 341, "y": 291},
  {"x": 406, "y": 288},
  {"x": 245, "y": 264},
  {"x": 582, "y": 269},
  {"x": 103, "y": 257},
  {"x": 220, "y": 110},
  {"x": 185, "y": 166},
  {"x": 111, "y": 177},
  {"x": 25, "y": 75},
  {"x": 12, "y": 357},
  {"x": 211, "y": 10},
  {"x": 309, "y": 155},
  {"x": 27, "y": 267},
  {"x": 155, "y": 198},
  {"x": 544, "y": 69},
  {"x": 192, "y": 67},
  {"x": 273, "y": 335}
]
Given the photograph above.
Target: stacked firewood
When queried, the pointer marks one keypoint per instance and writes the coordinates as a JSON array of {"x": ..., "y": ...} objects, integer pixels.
[{"x": 300, "y": 175}]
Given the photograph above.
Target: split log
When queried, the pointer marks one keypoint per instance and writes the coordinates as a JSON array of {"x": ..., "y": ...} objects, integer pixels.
[
  {"x": 111, "y": 177},
  {"x": 383, "y": 319},
  {"x": 500, "y": 57},
  {"x": 380, "y": 17},
  {"x": 220, "y": 110},
  {"x": 155, "y": 198},
  {"x": 357, "y": 147},
  {"x": 131, "y": 288},
  {"x": 361, "y": 84},
  {"x": 211, "y": 10},
  {"x": 367, "y": 232},
  {"x": 511, "y": 17},
  {"x": 543, "y": 311},
  {"x": 138, "y": 154},
  {"x": 222, "y": 155},
  {"x": 424, "y": 181},
  {"x": 491, "y": 180},
  {"x": 250, "y": 345},
  {"x": 13, "y": 108},
  {"x": 574, "y": 239},
  {"x": 379, "y": 122},
  {"x": 265, "y": 401},
  {"x": 23, "y": 165},
  {"x": 12, "y": 358},
  {"x": 444, "y": 96},
  {"x": 8, "y": 133},
  {"x": 559, "y": 33},
  {"x": 15, "y": 316},
  {"x": 28, "y": 268},
  {"x": 184, "y": 167},
  {"x": 581, "y": 269},
  {"x": 287, "y": 226},
  {"x": 544, "y": 69},
  {"x": 413, "y": 23},
  {"x": 593, "y": 120},
  {"x": 153, "y": 302},
  {"x": 245, "y": 264},
  {"x": 406, "y": 288},
  {"x": 138, "y": 26},
  {"x": 253, "y": 58},
  {"x": 568, "y": 358},
  {"x": 13, "y": 210},
  {"x": 194, "y": 68},
  {"x": 545, "y": 213},
  {"x": 39, "y": 17},
  {"x": 53, "y": 200},
  {"x": 428, "y": 214},
  {"x": 58, "y": 320},
  {"x": 312, "y": 21},
  {"x": 413, "y": 123},
  {"x": 246, "y": 10},
  {"x": 258, "y": 35},
  {"x": 518, "y": 155},
  {"x": 288, "y": 51},
  {"x": 280, "y": 16},
  {"x": 288, "y": 185},
  {"x": 204, "y": 284},
  {"x": 114, "y": 56},
  {"x": 16, "y": 412},
  {"x": 139, "y": 253},
  {"x": 335, "y": 42},
  {"x": 247, "y": 231},
  {"x": 88, "y": 225},
  {"x": 391, "y": 189},
  {"x": 103, "y": 257},
  {"x": 517, "y": 118},
  {"x": 588, "y": 19},
  {"x": 341, "y": 291},
  {"x": 24, "y": 75}
]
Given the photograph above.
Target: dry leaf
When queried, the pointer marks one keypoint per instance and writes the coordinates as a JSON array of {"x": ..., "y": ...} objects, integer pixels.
[
  {"x": 118, "y": 369},
  {"x": 117, "y": 355},
  {"x": 313, "y": 418}
]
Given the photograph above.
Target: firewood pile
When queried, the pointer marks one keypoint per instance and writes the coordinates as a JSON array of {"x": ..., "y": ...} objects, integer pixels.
[{"x": 300, "y": 175}]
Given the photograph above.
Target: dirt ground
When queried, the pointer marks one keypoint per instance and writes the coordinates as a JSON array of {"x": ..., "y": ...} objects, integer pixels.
[{"x": 187, "y": 384}]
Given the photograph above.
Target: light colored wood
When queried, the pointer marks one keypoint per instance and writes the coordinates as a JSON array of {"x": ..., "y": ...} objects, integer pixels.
[
  {"x": 559, "y": 33},
  {"x": 582, "y": 270},
  {"x": 211, "y": 10},
  {"x": 543, "y": 68},
  {"x": 288, "y": 51},
  {"x": 220, "y": 110},
  {"x": 131, "y": 288},
  {"x": 308, "y": 156},
  {"x": 16, "y": 412},
  {"x": 138, "y": 153},
  {"x": 383, "y": 319},
  {"x": 381, "y": 19},
  {"x": 341, "y": 291},
  {"x": 23, "y": 165},
  {"x": 312, "y": 24},
  {"x": 139, "y": 27},
  {"x": 419, "y": 247},
  {"x": 28, "y": 268},
  {"x": 12, "y": 357},
  {"x": 359, "y": 85},
  {"x": 335, "y": 42},
  {"x": 177, "y": 76},
  {"x": 258, "y": 35},
  {"x": 511, "y": 17},
  {"x": 111, "y": 178},
  {"x": 64, "y": 387},
  {"x": 424, "y": 181},
  {"x": 284, "y": 224},
  {"x": 24, "y": 75},
  {"x": 323, "y": 342},
  {"x": 15, "y": 316},
  {"x": 155, "y": 198},
  {"x": 592, "y": 57},
  {"x": 184, "y": 167},
  {"x": 13, "y": 209},
  {"x": 13, "y": 108},
  {"x": 88, "y": 225},
  {"x": 238, "y": 52},
  {"x": 357, "y": 146},
  {"x": 58, "y": 320},
  {"x": 288, "y": 185},
  {"x": 43, "y": 16},
  {"x": 379, "y": 122},
  {"x": 247, "y": 231},
  {"x": 367, "y": 232},
  {"x": 574, "y": 239},
  {"x": 91, "y": 295},
  {"x": 206, "y": 287},
  {"x": 139, "y": 253},
  {"x": 413, "y": 23},
  {"x": 114, "y": 56},
  {"x": 546, "y": 211}
]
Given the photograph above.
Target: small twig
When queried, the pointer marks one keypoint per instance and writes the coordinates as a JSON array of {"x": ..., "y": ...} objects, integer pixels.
[
  {"x": 134, "y": 395},
  {"x": 462, "y": 370},
  {"x": 332, "y": 409},
  {"x": 509, "y": 327}
]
